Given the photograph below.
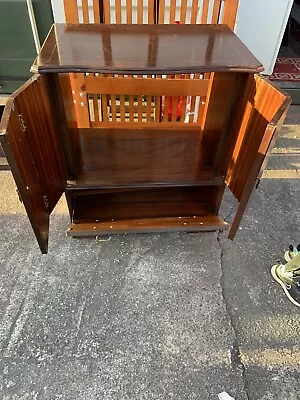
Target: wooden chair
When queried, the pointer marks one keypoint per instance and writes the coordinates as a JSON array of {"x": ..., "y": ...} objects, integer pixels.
[{"x": 160, "y": 11}]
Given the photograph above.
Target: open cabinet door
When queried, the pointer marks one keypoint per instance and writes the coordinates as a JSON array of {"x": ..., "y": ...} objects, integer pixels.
[
  {"x": 29, "y": 137},
  {"x": 258, "y": 115}
]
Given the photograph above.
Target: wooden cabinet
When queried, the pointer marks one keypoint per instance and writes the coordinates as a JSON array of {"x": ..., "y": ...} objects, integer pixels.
[{"x": 166, "y": 117}]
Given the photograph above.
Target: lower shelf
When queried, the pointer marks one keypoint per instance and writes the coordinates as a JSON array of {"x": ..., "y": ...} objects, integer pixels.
[
  {"x": 145, "y": 210},
  {"x": 146, "y": 225}
]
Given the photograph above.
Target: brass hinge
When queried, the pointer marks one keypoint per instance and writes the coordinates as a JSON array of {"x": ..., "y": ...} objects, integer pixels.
[
  {"x": 22, "y": 123},
  {"x": 46, "y": 202}
]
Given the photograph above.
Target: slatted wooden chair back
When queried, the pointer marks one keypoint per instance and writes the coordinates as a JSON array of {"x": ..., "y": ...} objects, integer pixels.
[
  {"x": 133, "y": 101},
  {"x": 132, "y": 12},
  {"x": 152, "y": 11},
  {"x": 110, "y": 11},
  {"x": 85, "y": 11},
  {"x": 198, "y": 12}
]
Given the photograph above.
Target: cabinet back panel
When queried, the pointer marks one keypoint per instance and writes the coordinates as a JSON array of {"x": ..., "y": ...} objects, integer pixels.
[
  {"x": 141, "y": 103},
  {"x": 122, "y": 124},
  {"x": 111, "y": 157}
]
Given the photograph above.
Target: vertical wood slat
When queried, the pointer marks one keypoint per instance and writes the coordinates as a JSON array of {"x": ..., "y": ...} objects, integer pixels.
[
  {"x": 183, "y": 11},
  {"x": 140, "y": 11},
  {"x": 85, "y": 11},
  {"x": 172, "y": 11},
  {"x": 157, "y": 108},
  {"x": 193, "y": 102},
  {"x": 204, "y": 15},
  {"x": 118, "y": 11},
  {"x": 131, "y": 108},
  {"x": 148, "y": 108},
  {"x": 106, "y": 6},
  {"x": 139, "y": 103},
  {"x": 113, "y": 107},
  {"x": 200, "y": 109},
  {"x": 183, "y": 108},
  {"x": 150, "y": 11},
  {"x": 194, "y": 11},
  {"x": 216, "y": 12},
  {"x": 140, "y": 108},
  {"x": 104, "y": 107},
  {"x": 230, "y": 11},
  {"x": 202, "y": 101},
  {"x": 71, "y": 11},
  {"x": 96, "y": 107},
  {"x": 192, "y": 109},
  {"x": 174, "y": 107},
  {"x": 158, "y": 102},
  {"x": 129, "y": 11},
  {"x": 96, "y": 11},
  {"x": 161, "y": 13},
  {"x": 122, "y": 107},
  {"x": 166, "y": 109}
]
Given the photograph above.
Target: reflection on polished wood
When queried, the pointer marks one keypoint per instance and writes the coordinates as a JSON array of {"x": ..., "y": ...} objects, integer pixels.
[{"x": 134, "y": 49}]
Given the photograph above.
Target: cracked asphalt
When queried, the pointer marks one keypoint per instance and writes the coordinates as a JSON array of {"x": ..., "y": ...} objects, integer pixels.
[{"x": 158, "y": 316}]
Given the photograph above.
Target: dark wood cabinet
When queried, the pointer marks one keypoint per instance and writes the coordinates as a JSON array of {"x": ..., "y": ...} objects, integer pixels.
[{"x": 141, "y": 126}]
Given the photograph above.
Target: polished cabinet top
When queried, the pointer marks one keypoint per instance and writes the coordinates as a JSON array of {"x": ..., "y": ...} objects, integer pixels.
[{"x": 136, "y": 49}]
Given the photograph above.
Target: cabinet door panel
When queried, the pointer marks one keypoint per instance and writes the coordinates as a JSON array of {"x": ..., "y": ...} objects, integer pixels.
[
  {"x": 28, "y": 134},
  {"x": 260, "y": 113}
]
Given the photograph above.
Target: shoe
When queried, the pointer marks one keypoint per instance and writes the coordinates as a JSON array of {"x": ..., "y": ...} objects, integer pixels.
[
  {"x": 288, "y": 276},
  {"x": 291, "y": 252}
]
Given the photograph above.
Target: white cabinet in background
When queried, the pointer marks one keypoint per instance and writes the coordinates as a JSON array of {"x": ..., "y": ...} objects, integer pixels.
[{"x": 261, "y": 25}]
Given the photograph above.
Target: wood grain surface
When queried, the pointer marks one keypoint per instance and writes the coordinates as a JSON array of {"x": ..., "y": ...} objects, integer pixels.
[{"x": 112, "y": 49}]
